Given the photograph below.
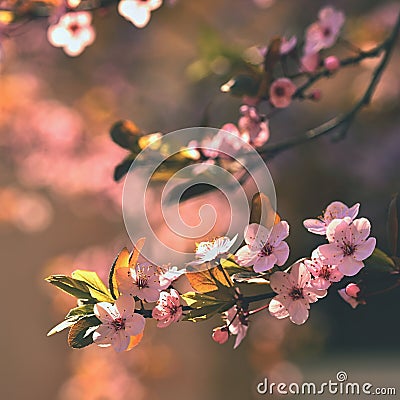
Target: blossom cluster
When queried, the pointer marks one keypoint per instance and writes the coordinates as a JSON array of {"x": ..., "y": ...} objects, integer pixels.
[{"x": 116, "y": 316}]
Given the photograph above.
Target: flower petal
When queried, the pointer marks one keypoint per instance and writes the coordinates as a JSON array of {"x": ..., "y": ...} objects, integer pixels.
[
  {"x": 134, "y": 324},
  {"x": 350, "y": 266},
  {"x": 364, "y": 250},
  {"x": 298, "y": 312},
  {"x": 281, "y": 252}
]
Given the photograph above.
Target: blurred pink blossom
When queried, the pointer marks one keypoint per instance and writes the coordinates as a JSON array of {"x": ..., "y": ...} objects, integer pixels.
[
  {"x": 73, "y": 32},
  {"x": 281, "y": 92},
  {"x": 138, "y": 11},
  {"x": 324, "y": 33},
  {"x": 309, "y": 62}
]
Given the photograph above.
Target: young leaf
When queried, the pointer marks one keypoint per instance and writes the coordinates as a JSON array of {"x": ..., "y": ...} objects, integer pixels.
[
  {"x": 262, "y": 212},
  {"x": 204, "y": 306},
  {"x": 97, "y": 288},
  {"x": 81, "y": 311},
  {"x": 209, "y": 280},
  {"x": 379, "y": 261},
  {"x": 122, "y": 261},
  {"x": 80, "y": 334},
  {"x": 126, "y": 134},
  {"x": 71, "y": 286}
]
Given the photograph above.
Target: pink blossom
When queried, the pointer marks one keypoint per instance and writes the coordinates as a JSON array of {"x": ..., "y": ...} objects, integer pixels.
[
  {"x": 221, "y": 334},
  {"x": 335, "y": 210},
  {"x": 73, "y": 32},
  {"x": 281, "y": 92},
  {"x": 253, "y": 129},
  {"x": 142, "y": 281},
  {"x": 119, "y": 323},
  {"x": 324, "y": 274},
  {"x": 264, "y": 248},
  {"x": 332, "y": 63},
  {"x": 310, "y": 62},
  {"x": 237, "y": 323},
  {"x": 295, "y": 293},
  {"x": 350, "y": 294},
  {"x": 324, "y": 33},
  {"x": 168, "y": 309},
  {"x": 287, "y": 45},
  {"x": 138, "y": 11},
  {"x": 348, "y": 244},
  {"x": 225, "y": 144}
]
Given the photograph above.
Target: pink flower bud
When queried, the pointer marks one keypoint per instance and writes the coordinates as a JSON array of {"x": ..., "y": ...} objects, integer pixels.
[
  {"x": 316, "y": 95},
  {"x": 220, "y": 334},
  {"x": 352, "y": 290},
  {"x": 332, "y": 63}
]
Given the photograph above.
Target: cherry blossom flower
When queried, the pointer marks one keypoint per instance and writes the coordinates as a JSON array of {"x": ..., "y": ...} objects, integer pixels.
[
  {"x": 226, "y": 143},
  {"x": 119, "y": 323},
  {"x": 253, "y": 129},
  {"x": 220, "y": 334},
  {"x": 287, "y": 45},
  {"x": 324, "y": 274},
  {"x": 138, "y": 11},
  {"x": 348, "y": 244},
  {"x": 237, "y": 323},
  {"x": 213, "y": 250},
  {"x": 335, "y": 210},
  {"x": 168, "y": 309},
  {"x": 350, "y": 294},
  {"x": 264, "y": 248},
  {"x": 332, "y": 63},
  {"x": 310, "y": 62},
  {"x": 324, "y": 33},
  {"x": 73, "y": 32},
  {"x": 142, "y": 281},
  {"x": 281, "y": 92},
  {"x": 295, "y": 294}
]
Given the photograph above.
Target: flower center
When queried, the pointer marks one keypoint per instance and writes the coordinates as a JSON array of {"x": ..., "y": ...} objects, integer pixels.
[
  {"x": 118, "y": 324},
  {"x": 279, "y": 91},
  {"x": 325, "y": 272},
  {"x": 266, "y": 250},
  {"x": 74, "y": 28},
  {"x": 348, "y": 249},
  {"x": 327, "y": 32},
  {"x": 296, "y": 293},
  {"x": 142, "y": 280}
]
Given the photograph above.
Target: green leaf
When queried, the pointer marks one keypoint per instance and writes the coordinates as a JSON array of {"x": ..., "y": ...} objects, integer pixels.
[
  {"x": 81, "y": 311},
  {"x": 71, "y": 286},
  {"x": 97, "y": 288},
  {"x": 379, "y": 261},
  {"x": 211, "y": 280},
  {"x": 204, "y": 306},
  {"x": 80, "y": 334},
  {"x": 231, "y": 267}
]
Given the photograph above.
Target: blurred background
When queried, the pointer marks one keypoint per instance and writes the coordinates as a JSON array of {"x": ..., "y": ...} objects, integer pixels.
[{"x": 61, "y": 210}]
